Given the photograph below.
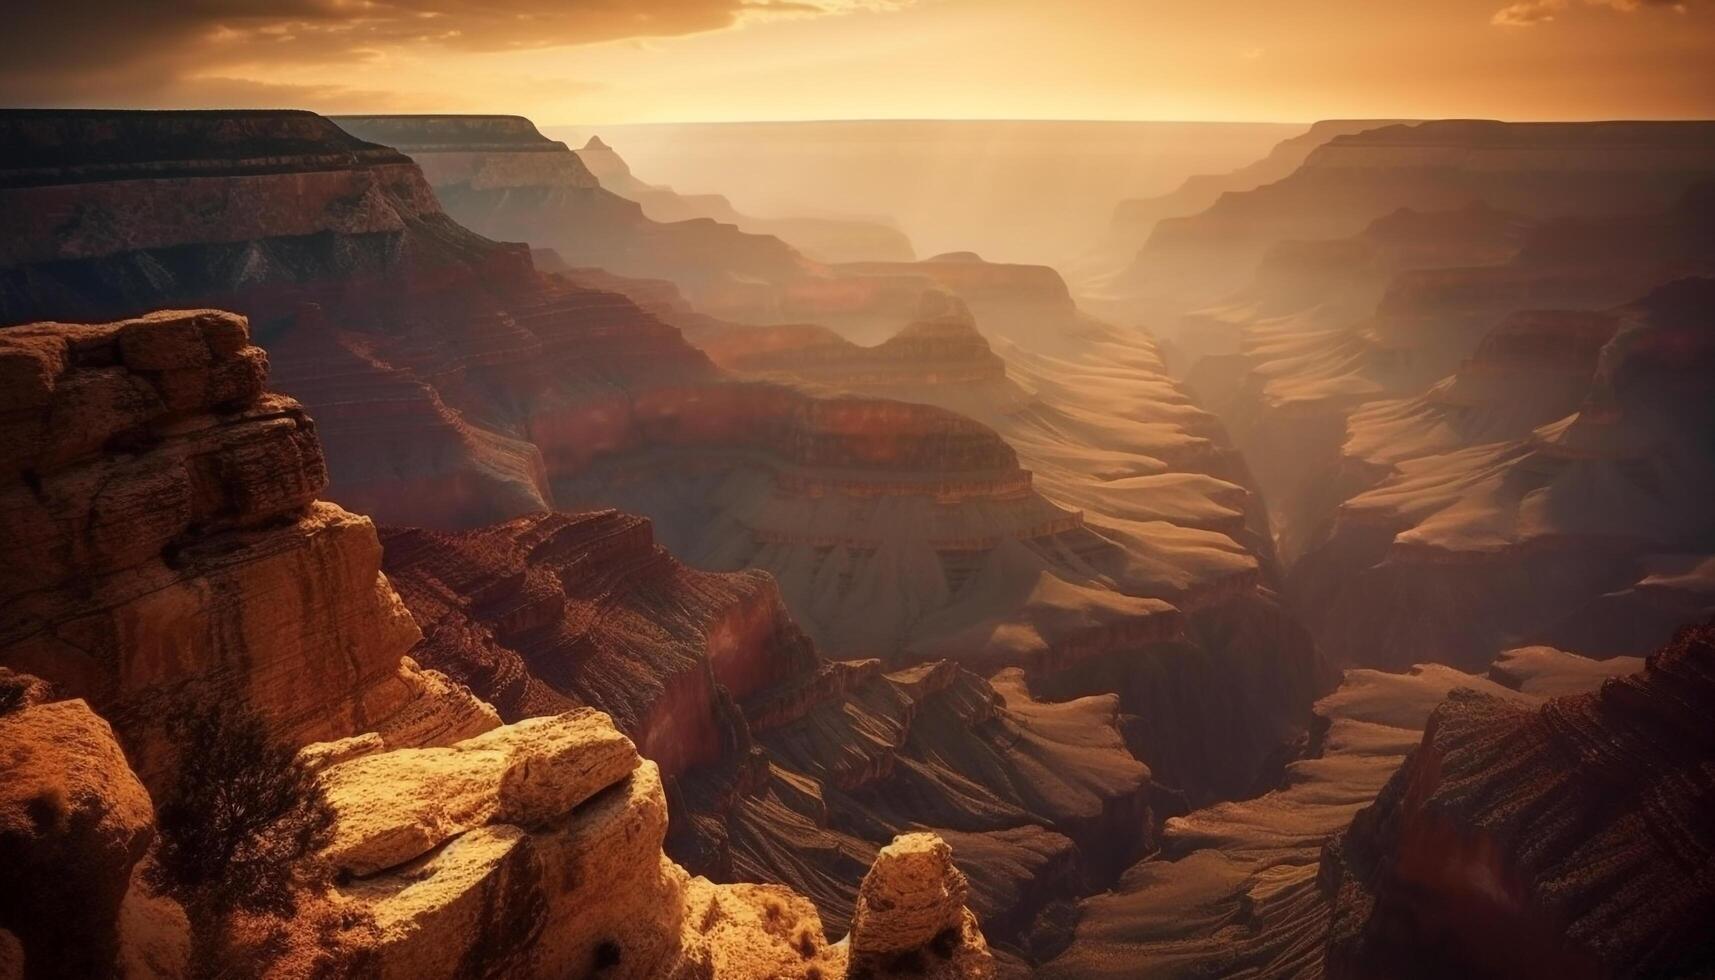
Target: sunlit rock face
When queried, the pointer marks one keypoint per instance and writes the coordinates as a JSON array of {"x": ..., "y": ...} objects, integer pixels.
[
  {"x": 1516, "y": 534},
  {"x": 1163, "y": 509},
  {"x": 1243, "y": 886},
  {"x": 553, "y": 610},
  {"x": 784, "y": 767},
  {"x": 823, "y": 239},
  {"x": 1470, "y": 312},
  {"x": 164, "y": 542},
  {"x": 502, "y": 178},
  {"x": 535, "y": 850},
  {"x": 1563, "y": 840}
]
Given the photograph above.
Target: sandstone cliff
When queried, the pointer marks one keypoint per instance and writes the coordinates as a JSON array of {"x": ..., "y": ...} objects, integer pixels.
[
  {"x": 1569, "y": 840},
  {"x": 535, "y": 851},
  {"x": 782, "y": 766},
  {"x": 163, "y": 542},
  {"x": 1235, "y": 888}
]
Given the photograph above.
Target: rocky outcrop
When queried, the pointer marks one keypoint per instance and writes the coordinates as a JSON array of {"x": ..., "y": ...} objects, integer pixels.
[
  {"x": 1568, "y": 840},
  {"x": 74, "y": 820},
  {"x": 163, "y": 542},
  {"x": 782, "y": 766},
  {"x": 544, "y": 859},
  {"x": 557, "y": 609},
  {"x": 1234, "y": 888},
  {"x": 461, "y": 387},
  {"x": 914, "y": 899}
]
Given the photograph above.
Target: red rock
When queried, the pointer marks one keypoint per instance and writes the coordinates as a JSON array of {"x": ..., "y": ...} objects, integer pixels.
[
  {"x": 1564, "y": 841},
  {"x": 73, "y": 822},
  {"x": 158, "y": 547}
]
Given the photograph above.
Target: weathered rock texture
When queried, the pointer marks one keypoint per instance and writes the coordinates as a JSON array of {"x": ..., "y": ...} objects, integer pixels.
[
  {"x": 1515, "y": 533},
  {"x": 783, "y": 766},
  {"x": 535, "y": 851},
  {"x": 1406, "y": 395},
  {"x": 1163, "y": 509},
  {"x": 1234, "y": 890},
  {"x": 1569, "y": 840},
  {"x": 163, "y": 541},
  {"x": 454, "y": 386},
  {"x": 74, "y": 820},
  {"x": 913, "y": 900}
]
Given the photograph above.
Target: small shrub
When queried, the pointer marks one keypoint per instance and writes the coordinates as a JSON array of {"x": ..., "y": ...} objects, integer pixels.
[{"x": 241, "y": 816}]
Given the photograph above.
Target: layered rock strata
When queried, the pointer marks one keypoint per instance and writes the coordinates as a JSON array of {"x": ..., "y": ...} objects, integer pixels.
[
  {"x": 501, "y": 177},
  {"x": 163, "y": 542},
  {"x": 1164, "y": 505},
  {"x": 1514, "y": 533},
  {"x": 535, "y": 850},
  {"x": 782, "y": 766},
  {"x": 1237, "y": 887},
  {"x": 1542, "y": 170},
  {"x": 1571, "y": 839},
  {"x": 1134, "y": 219}
]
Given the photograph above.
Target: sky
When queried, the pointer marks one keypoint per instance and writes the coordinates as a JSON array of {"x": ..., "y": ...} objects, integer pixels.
[{"x": 620, "y": 61}]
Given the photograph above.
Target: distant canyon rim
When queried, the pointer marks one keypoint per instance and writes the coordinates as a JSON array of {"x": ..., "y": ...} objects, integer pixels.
[{"x": 859, "y": 549}]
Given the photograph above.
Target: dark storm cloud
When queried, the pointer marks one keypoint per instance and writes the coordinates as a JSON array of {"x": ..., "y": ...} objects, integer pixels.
[{"x": 139, "y": 51}]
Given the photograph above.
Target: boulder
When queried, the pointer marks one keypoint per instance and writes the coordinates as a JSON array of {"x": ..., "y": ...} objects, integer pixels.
[{"x": 74, "y": 820}]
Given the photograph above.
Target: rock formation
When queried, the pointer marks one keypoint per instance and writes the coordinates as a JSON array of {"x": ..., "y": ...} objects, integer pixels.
[
  {"x": 1516, "y": 532},
  {"x": 782, "y": 766},
  {"x": 910, "y": 901},
  {"x": 1107, "y": 432},
  {"x": 455, "y": 386},
  {"x": 74, "y": 820},
  {"x": 1362, "y": 376},
  {"x": 502, "y": 178},
  {"x": 163, "y": 542},
  {"x": 1568, "y": 840},
  {"x": 534, "y": 850},
  {"x": 1236, "y": 888},
  {"x": 1542, "y": 170},
  {"x": 822, "y": 239},
  {"x": 1134, "y": 219}
]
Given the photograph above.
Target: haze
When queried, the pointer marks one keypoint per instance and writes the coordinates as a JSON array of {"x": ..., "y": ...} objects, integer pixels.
[{"x": 702, "y": 60}]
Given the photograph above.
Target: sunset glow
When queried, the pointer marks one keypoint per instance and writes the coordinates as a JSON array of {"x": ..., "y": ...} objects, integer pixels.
[{"x": 712, "y": 60}]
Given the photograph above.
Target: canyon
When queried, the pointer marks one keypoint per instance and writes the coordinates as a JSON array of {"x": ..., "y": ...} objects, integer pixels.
[{"x": 704, "y": 588}]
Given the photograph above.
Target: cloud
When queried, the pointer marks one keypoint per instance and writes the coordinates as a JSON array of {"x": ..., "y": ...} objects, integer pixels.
[
  {"x": 111, "y": 51},
  {"x": 1532, "y": 12}
]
